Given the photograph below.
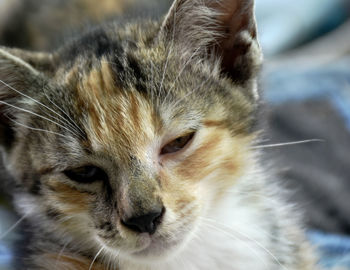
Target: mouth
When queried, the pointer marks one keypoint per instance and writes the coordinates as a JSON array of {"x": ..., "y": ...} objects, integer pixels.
[
  {"x": 162, "y": 246},
  {"x": 157, "y": 248}
]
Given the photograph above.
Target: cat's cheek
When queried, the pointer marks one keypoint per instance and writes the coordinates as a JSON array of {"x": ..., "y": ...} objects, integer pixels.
[
  {"x": 217, "y": 162},
  {"x": 184, "y": 203},
  {"x": 68, "y": 198},
  {"x": 69, "y": 210},
  {"x": 175, "y": 193}
]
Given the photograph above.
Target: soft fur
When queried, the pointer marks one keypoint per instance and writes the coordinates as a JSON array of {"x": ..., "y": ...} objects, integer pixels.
[{"x": 114, "y": 98}]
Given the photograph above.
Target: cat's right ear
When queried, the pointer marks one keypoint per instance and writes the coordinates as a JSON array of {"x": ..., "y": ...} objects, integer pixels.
[
  {"x": 21, "y": 73},
  {"x": 221, "y": 31}
]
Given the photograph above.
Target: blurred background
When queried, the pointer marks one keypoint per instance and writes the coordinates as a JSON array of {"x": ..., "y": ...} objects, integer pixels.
[
  {"x": 306, "y": 85},
  {"x": 306, "y": 88}
]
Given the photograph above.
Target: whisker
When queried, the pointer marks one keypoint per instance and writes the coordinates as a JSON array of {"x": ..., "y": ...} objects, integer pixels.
[
  {"x": 110, "y": 258},
  {"x": 39, "y": 129},
  {"x": 248, "y": 238},
  {"x": 286, "y": 144},
  {"x": 116, "y": 257},
  {"x": 255, "y": 227},
  {"x": 254, "y": 194},
  {"x": 152, "y": 78},
  {"x": 74, "y": 131},
  {"x": 97, "y": 254},
  {"x": 60, "y": 254},
  {"x": 66, "y": 114},
  {"x": 169, "y": 54},
  {"x": 36, "y": 101},
  {"x": 106, "y": 259},
  {"x": 256, "y": 254},
  {"x": 110, "y": 262},
  {"x": 13, "y": 226},
  {"x": 33, "y": 113},
  {"x": 165, "y": 68}
]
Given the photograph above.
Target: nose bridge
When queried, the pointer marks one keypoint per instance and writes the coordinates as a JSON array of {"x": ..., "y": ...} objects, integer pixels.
[
  {"x": 143, "y": 194},
  {"x": 140, "y": 192}
]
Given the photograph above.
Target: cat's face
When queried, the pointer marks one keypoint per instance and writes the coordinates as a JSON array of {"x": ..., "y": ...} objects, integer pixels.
[{"x": 127, "y": 142}]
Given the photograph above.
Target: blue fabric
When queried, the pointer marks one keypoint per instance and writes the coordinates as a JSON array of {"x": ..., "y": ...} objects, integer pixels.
[
  {"x": 286, "y": 24},
  {"x": 297, "y": 84},
  {"x": 7, "y": 238},
  {"x": 330, "y": 82},
  {"x": 5, "y": 257},
  {"x": 334, "y": 250}
]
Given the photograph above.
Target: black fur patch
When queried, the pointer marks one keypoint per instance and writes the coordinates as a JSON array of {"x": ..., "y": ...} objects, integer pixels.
[
  {"x": 95, "y": 43},
  {"x": 137, "y": 73},
  {"x": 53, "y": 213},
  {"x": 35, "y": 189}
]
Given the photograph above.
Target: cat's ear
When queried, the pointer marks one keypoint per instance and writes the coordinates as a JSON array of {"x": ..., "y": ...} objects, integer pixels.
[
  {"x": 21, "y": 73},
  {"x": 217, "y": 29}
]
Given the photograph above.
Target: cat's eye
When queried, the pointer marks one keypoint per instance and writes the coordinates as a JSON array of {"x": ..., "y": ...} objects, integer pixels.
[
  {"x": 177, "y": 144},
  {"x": 86, "y": 174}
]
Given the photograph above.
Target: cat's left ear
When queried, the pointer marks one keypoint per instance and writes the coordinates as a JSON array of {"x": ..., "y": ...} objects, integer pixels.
[
  {"x": 223, "y": 30},
  {"x": 22, "y": 73},
  {"x": 41, "y": 61}
]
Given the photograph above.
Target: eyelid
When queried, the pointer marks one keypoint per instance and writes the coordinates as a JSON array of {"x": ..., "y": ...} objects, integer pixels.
[
  {"x": 181, "y": 148},
  {"x": 170, "y": 138},
  {"x": 82, "y": 177}
]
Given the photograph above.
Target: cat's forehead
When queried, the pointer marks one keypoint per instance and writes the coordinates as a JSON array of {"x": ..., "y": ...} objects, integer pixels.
[
  {"x": 122, "y": 119},
  {"x": 134, "y": 93},
  {"x": 114, "y": 117}
]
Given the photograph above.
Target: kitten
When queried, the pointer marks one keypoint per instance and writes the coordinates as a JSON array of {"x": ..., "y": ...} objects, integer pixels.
[{"x": 133, "y": 148}]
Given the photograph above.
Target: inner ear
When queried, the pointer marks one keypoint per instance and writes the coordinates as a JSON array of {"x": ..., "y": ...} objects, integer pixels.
[
  {"x": 223, "y": 30},
  {"x": 238, "y": 45}
]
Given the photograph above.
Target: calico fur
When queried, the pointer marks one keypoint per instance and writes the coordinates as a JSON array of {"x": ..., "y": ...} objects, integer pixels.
[{"x": 114, "y": 98}]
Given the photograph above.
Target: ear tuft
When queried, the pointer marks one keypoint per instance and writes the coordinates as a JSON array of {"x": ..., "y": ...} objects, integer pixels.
[{"x": 223, "y": 30}]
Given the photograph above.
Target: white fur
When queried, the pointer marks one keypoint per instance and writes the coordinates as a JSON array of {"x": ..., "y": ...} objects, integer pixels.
[{"x": 240, "y": 240}]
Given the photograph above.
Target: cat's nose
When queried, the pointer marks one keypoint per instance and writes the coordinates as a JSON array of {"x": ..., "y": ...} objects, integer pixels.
[{"x": 145, "y": 223}]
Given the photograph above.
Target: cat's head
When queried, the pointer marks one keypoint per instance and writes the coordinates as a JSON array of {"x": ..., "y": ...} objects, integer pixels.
[{"x": 128, "y": 136}]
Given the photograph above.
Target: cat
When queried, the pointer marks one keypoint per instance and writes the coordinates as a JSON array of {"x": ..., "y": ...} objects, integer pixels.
[{"x": 134, "y": 147}]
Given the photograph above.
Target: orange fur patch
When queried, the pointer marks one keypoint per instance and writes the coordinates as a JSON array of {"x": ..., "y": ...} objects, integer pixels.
[
  {"x": 217, "y": 156},
  {"x": 73, "y": 200},
  {"x": 176, "y": 195},
  {"x": 62, "y": 261},
  {"x": 119, "y": 121},
  {"x": 214, "y": 123},
  {"x": 218, "y": 153}
]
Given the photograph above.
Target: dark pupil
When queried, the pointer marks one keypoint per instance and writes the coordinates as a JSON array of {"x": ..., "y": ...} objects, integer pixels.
[
  {"x": 86, "y": 174},
  {"x": 180, "y": 142},
  {"x": 177, "y": 144}
]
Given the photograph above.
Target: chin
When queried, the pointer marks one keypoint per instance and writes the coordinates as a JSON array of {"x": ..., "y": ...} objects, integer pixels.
[
  {"x": 163, "y": 245},
  {"x": 158, "y": 250}
]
